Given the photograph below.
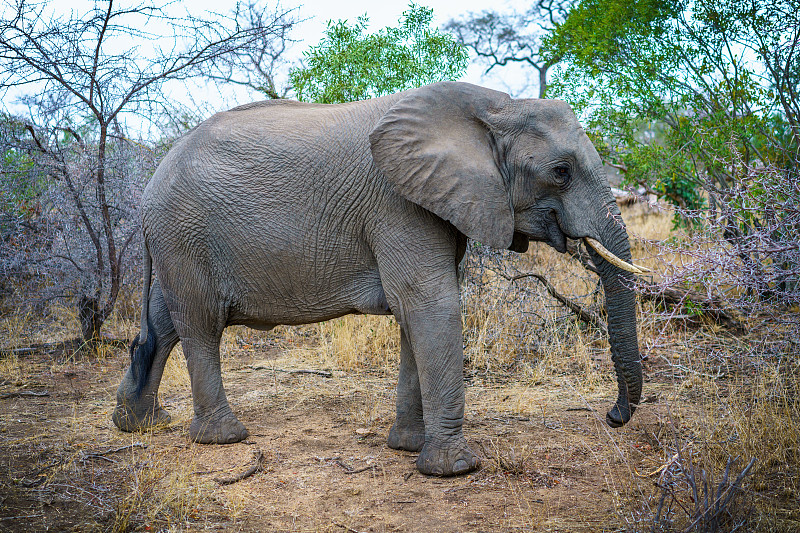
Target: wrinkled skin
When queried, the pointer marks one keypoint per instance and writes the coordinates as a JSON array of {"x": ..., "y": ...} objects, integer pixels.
[{"x": 287, "y": 213}]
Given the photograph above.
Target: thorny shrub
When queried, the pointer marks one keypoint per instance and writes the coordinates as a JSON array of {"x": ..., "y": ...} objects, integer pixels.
[{"x": 745, "y": 248}]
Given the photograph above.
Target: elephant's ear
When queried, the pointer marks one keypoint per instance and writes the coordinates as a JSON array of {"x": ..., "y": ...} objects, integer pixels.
[{"x": 436, "y": 147}]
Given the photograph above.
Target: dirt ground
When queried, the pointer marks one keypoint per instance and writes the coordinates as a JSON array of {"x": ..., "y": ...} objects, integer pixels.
[{"x": 549, "y": 461}]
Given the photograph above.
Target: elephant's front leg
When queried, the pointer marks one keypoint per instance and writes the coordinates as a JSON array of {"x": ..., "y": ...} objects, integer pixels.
[
  {"x": 408, "y": 431},
  {"x": 436, "y": 341}
]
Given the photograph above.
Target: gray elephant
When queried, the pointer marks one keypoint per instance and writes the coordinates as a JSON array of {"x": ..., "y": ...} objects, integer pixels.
[{"x": 283, "y": 212}]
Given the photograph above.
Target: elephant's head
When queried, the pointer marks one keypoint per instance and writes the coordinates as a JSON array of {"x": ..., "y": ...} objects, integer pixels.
[{"x": 504, "y": 171}]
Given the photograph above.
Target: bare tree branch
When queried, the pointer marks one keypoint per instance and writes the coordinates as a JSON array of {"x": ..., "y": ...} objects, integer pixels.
[
  {"x": 85, "y": 183},
  {"x": 584, "y": 315},
  {"x": 499, "y": 39}
]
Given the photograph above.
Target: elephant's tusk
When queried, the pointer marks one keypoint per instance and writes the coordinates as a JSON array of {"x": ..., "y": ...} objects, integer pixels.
[{"x": 613, "y": 259}]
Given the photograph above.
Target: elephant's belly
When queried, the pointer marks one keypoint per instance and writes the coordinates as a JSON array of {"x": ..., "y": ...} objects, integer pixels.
[{"x": 312, "y": 302}]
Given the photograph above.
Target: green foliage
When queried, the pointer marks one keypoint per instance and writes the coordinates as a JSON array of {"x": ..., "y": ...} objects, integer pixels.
[
  {"x": 350, "y": 64},
  {"x": 679, "y": 90}
]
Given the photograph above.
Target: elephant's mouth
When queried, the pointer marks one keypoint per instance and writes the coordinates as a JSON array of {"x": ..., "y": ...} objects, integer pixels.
[
  {"x": 553, "y": 234},
  {"x": 555, "y": 237},
  {"x": 541, "y": 227},
  {"x": 520, "y": 243},
  {"x": 549, "y": 231}
]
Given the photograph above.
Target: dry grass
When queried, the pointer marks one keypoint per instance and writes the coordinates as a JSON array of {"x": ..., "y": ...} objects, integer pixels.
[
  {"x": 157, "y": 490},
  {"x": 360, "y": 342}
]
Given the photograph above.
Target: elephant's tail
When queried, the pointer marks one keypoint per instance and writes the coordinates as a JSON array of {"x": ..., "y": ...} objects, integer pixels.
[
  {"x": 142, "y": 354},
  {"x": 143, "y": 347},
  {"x": 148, "y": 272}
]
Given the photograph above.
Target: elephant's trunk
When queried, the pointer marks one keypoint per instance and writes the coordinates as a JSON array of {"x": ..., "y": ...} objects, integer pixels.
[{"x": 621, "y": 309}]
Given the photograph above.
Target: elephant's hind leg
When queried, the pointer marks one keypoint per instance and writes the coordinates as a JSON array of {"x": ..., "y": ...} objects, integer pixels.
[
  {"x": 408, "y": 431},
  {"x": 200, "y": 325},
  {"x": 214, "y": 421},
  {"x": 137, "y": 396}
]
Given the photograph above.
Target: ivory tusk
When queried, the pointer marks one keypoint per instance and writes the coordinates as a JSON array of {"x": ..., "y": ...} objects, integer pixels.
[{"x": 613, "y": 259}]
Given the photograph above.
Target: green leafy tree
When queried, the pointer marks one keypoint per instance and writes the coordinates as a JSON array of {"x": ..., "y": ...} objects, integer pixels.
[
  {"x": 698, "y": 101},
  {"x": 686, "y": 96},
  {"x": 350, "y": 64}
]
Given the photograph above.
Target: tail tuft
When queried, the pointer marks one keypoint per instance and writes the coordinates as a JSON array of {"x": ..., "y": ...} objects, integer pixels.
[{"x": 142, "y": 355}]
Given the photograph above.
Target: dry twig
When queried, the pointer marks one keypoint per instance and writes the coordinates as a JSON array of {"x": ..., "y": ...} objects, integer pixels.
[
  {"x": 18, "y": 394},
  {"x": 102, "y": 455},
  {"x": 322, "y": 373},
  {"x": 348, "y": 470},
  {"x": 258, "y": 455},
  {"x": 347, "y": 528}
]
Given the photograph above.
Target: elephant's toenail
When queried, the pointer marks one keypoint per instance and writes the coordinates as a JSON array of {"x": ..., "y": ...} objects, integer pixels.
[
  {"x": 460, "y": 466},
  {"x": 437, "y": 471},
  {"x": 232, "y": 437}
]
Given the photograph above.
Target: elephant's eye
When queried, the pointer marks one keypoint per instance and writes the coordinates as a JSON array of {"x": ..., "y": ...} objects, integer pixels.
[{"x": 562, "y": 174}]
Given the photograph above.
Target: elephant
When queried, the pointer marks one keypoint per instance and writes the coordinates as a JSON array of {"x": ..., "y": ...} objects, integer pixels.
[{"x": 285, "y": 212}]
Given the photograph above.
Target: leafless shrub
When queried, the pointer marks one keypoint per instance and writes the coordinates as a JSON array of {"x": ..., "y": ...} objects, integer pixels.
[
  {"x": 71, "y": 156},
  {"x": 742, "y": 254},
  {"x": 691, "y": 500},
  {"x": 756, "y": 242},
  {"x": 52, "y": 245}
]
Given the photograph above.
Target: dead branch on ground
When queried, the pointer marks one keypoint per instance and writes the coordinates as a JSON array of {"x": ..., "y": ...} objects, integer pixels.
[
  {"x": 258, "y": 455},
  {"x": 705, "y": 306},
  {"x": 19, "y": 394},
  {"x": 322, "y": 373}
]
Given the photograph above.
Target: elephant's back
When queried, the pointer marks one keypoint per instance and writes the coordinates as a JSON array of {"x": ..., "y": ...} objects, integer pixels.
[
  {"x": 269, "y": 181},
  {"x": 272, "y": 147}
]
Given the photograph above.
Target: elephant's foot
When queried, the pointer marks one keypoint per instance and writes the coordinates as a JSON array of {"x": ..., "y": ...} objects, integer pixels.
[
  {"x": 447, "y": 458},
  {"x": 139, "y": 416},
  {"x": 406, "y": 436},
  {"x": 220, "y": 429}
]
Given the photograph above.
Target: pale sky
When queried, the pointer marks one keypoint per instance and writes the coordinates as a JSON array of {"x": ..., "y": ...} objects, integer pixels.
[
  {"x": 387, "y": 12},
  {"x": 317, "y": 12}
]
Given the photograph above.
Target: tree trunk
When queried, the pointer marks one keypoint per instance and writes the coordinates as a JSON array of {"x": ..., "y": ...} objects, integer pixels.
[{"x": 91, "y": 318}]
